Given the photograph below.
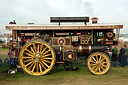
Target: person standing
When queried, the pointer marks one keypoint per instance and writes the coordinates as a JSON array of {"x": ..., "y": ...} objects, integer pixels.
[
  {"x": 126, "y": 54},
  {"x": 114, "y": 55},
  {"x": 12, "y": 56},
  {"x": 122, "y": 57}
]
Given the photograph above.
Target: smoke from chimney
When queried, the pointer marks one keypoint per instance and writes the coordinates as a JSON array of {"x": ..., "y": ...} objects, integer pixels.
[{"x": 84, "y": 7}]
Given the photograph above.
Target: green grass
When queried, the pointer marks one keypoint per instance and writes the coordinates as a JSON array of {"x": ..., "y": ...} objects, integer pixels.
[
  {"x": 6, "y": 49},
  {"x": 116, "y": 76}
]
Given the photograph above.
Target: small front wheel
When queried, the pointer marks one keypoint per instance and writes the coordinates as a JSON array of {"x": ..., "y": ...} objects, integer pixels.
[{"x": 98, "y": 63}]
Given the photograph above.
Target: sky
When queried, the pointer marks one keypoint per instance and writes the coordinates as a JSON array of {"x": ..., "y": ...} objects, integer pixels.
[{"x": 40, "y": 11}]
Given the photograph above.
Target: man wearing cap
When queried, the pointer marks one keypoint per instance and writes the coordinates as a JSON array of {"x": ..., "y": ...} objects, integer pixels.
[
  {"x": 122, "y": 57},
  {"x": 114, "y": 55}
]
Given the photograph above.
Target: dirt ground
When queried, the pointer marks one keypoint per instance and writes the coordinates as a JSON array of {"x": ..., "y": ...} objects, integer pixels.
[{"x": 4, "y": 52}]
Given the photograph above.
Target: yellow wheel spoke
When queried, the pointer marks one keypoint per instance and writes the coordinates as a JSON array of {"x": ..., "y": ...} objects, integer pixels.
[
  {"x": 47, "y": 61},
  {"x": 99, "y": 69},
  {"x": 41, "y": 48},
  {"x": 44, "y": 50},
  {"x": 100, "y": 58},
  {"x": 29, "y": 63},
  {"x": 32, "y": 50},
  {"x": 104, "y": 65},
  {"x": 94, "y": 59},
  {"x": 33, "y": 67},
  {"x": 29, "y": 54},
  {"x": 38, "y": 48},
  {"x": 34, "y": 47},
  {"x": 102, "y": 68},
  {"x": 29, "y": 51},
  {"x": 46, "y": 55},
  {"x": 28, "y": 60},
  {"x": 96, "y": 69},
  {"x": 48, "y": 58},
  {"x": 45, "y": 64},
  {"x": 40, "y": 68},
  {"x": 92, "y": 64},
  {"x": 93, "y": 67},
  {"x": 37, "y": 67}
]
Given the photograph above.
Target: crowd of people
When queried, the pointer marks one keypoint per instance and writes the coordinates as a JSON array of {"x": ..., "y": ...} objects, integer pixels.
[{"x": 121, "y": 56}]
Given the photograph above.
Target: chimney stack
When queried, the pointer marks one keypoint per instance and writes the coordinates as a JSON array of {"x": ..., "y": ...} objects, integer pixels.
[{"x": 94, "y": 20}]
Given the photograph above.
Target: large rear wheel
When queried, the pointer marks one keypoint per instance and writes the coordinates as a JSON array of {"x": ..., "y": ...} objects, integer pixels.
[
  {"x": 98, "y": 63},
  {"x": 37, "y": 57}
]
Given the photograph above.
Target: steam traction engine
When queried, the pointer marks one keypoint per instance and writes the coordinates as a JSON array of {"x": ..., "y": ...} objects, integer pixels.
[{"x": 40, "y": 47}]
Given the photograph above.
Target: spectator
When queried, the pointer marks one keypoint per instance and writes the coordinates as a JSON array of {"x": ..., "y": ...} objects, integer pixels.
[
  {"x": 114, "y": 55},
  {"x": 126, "y": 54},
  {"x": 122, "y": 57},
  {"x": 12, "y": 56}
]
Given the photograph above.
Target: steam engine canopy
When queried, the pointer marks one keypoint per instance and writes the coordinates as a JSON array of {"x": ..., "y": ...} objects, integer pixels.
[{"x": 69, "y": 19}]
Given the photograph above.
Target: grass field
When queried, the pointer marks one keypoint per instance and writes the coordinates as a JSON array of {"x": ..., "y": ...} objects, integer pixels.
[{"x": 117, "y": 76}]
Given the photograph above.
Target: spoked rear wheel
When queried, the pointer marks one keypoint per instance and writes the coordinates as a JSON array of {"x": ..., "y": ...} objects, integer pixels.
[
  {"x": 98, "y": 63},
  {"x": 37, "y": 57}
]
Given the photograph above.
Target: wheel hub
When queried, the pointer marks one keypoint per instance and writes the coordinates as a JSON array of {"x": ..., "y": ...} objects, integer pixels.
[
  {"x": 37, "y": 58},
  {"x": 98, "y": 63}
]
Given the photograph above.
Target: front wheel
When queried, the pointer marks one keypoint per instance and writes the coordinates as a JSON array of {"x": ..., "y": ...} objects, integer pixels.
[{"x": 98, "y": 63}]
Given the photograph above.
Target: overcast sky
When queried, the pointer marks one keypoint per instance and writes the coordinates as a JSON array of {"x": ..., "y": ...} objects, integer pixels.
[{"x": 40, "y": 11}]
